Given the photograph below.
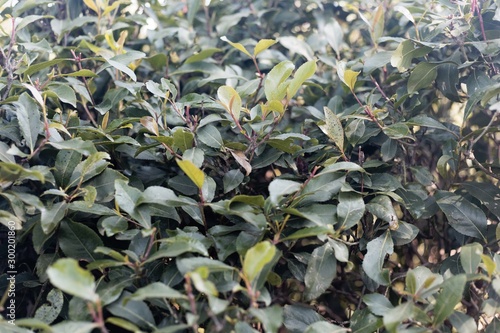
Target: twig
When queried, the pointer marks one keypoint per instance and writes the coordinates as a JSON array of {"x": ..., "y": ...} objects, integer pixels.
[{"x": 78, "y": 60}]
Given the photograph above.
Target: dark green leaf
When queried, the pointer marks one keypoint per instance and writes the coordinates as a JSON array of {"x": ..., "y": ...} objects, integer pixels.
[
  {"x": 464, "y": 216},
  {"x": 78, "y": 241},
  {"x": 374, "y": 259},
  {"x": 350, "y": 210},
  {"x": 320, "y": 272},
  {"x": 422, "y": 76}
]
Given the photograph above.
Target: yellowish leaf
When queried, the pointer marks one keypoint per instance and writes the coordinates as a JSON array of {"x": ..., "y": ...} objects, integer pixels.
[
  {"x": 192, "y": 171},
  {"x": 350, "y": 78},
  {"x": 91, "y": 4},
  {"x": 237, "y": 46},
  {"x": 262, "y": 45}
]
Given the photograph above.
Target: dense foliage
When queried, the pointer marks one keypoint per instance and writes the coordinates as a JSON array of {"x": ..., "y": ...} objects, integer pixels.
[{"x": 250, "y": 166}]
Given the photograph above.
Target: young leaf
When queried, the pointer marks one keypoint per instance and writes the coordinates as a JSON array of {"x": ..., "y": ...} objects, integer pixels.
[
  {"x": 262, "y": 45},
  {"x": 237, "y": 46},
  {"x": 301, "y": 75},
  {"x": 275, "y": 83},
  {"x": 230, "y": 100},
  {"x": 350, "y": 78},
  {"x": 68, "y": 276},
  {"x": 192, "y": 171},
  {"x": 257, "y": 258}
]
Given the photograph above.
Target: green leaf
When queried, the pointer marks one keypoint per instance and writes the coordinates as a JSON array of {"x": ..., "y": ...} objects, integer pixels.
[
  {"x": 470, "y": 257},
  {"x": 334, "y": 35},
  {"x": 449, "y": 296},
  {"x": 192, "y": 171},
  {"x": 237, "y": 46},
  {"x": 347, "y": 166},
  {"x": 63, "y": 92},
  {"x": 321, "y": 271},
  {"x": 464, "y": 216},
  {"x": 298, "y": 317},
  {"x": 206, "y": 53},
  {"x": 232, "y": 179},
  {"x": 447, "y": 81},
  {"x": 363, "y": 321},
  {"x": 28, "y": 116},
  {"x": 422, "y": 76},
  {"x": 350, "y": 210},
  {"x": 66, "y": 162},
  {"x": 275, "y": 85},
  {"x": 296, "y": 45},
  {"x": 303, "y": 73},
  {"x": 74, "y": 326},
  {"x": 136, "y": 312},
  {"x": 183, "y": 139},
  {"x": 68, "y": 276},
  {"x": 49, "y": 311},
  {"x": 186, "y": 265},
  {"x": 374, "y": 259},
  {"x": 257, "y": 258},
  {"x": 81, "y": 73},
  {"x": 270, "y": 317},
  {"x": 89, "y": 168},
  {"x": 396, "y": 316},
  {"x": 210, "y": 136},
  {"x": 324, "y": 326},
  {"x": 381, "y": 206},
  {"x": 51, "y": 216},
  {"x": 84, "y": 147},
  {"x": 156, "y": 290},
  {"x": 377, "y": 303},
  {"x": 262, "y": 45},
  {"x": 333, "y": 128},
  {"x": 230, "y": 100},
  {"x": 308, "y": 232},
  {"x": 462, "y": 322},
  {"x": 78, "y": 241},
  {"x": 280, "y": 187},
  {"x": 398, "y": 131},
  {"x": 405, "y": 53},
  {"x": 488, "y": 193}
]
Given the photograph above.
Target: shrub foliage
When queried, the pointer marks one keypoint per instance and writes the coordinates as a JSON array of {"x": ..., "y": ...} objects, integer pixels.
[{"x": 251, "y": 166}]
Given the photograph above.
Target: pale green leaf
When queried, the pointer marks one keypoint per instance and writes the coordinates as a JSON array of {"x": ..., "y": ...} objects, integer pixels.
[{"x": 68, "y": 276}]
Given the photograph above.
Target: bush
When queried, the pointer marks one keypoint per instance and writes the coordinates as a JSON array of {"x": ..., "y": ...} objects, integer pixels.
[{"x": 254, "y": 166}]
